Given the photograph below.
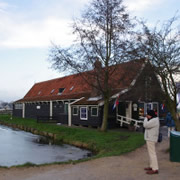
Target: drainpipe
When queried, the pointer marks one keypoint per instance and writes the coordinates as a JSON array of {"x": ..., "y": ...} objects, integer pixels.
[
  {"x": 23, "y": 110},
  {"x": 51, "y": 108},
  {"x": 69, "y": 111}
]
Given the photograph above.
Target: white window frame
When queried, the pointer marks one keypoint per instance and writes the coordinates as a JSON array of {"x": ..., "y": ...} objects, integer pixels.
[
  {"x": 77, "y": 111},
  {"x": 82, "y": 118},
  {"x": 92, "y": 110}
]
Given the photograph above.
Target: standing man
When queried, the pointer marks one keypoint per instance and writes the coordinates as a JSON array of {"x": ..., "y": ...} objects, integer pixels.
[{"x": 151, "y": 125}]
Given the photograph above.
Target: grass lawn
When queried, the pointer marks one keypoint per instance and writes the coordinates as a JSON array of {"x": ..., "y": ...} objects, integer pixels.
[{"x": 110, "y": 143}]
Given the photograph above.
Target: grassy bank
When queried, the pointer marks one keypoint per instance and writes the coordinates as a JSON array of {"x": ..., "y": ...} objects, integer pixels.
[{"x": 110, "y": 143}]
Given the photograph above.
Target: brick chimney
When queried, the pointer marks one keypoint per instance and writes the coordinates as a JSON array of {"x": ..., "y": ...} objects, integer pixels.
[
  {"x": 97, "y": 65},
  {"x": 97, "y": 73}
]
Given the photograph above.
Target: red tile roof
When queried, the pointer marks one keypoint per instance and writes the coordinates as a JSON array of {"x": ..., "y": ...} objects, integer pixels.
[{"x": 76, "y": 87}]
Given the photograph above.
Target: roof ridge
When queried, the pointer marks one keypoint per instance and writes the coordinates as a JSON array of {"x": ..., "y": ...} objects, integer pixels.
[
  {"x": 57, "y": 78},
  {"x": 77, "y": 74}
]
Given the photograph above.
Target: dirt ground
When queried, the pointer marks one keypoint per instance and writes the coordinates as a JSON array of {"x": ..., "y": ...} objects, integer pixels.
[{"x": 126, "y": 167}]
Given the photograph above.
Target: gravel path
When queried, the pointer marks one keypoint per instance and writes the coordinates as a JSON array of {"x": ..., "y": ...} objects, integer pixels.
[{"x": 126, "y": 167}]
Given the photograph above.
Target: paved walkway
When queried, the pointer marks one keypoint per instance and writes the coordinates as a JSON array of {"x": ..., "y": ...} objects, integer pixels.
[{"x": 126, "y": 167}]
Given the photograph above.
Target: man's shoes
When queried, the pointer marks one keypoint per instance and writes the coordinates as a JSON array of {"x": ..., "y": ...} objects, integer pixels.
[
  {"x": 148, "y": 169},
  {"x": 152, "y": 172}
]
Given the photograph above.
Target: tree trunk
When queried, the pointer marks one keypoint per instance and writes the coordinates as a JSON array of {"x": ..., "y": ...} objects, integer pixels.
[
  {"x": 177, "y": 125},
  {"x": 172, "y": 110},
  {"x": 177, "y": 121},
  {"x": 105, "y": 114}
]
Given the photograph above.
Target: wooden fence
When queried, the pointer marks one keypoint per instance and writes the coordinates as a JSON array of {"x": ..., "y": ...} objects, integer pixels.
[{"x": 8, "y": 112}]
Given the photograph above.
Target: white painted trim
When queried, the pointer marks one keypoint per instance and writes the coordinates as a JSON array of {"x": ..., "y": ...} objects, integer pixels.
[
  {"x": 23, "y": 110},
  {"x": 69, "y": 111},
  {"x": 93, "y": 105},
  {"x": 69, "y": 115},
  {"x": 86, "y": 113},
  {"x": 129, "y": 109},
  {"x": 34, "y": 102},
  {"x": 120, "y": 93},
  {"x": 76, "y": 101},
  {"x": 51, "y": 108}
]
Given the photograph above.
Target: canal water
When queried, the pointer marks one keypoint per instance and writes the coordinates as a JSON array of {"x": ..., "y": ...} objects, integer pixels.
[{"x": 19, "y": 147}]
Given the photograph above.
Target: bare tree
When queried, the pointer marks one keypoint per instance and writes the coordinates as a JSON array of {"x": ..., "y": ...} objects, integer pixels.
[
  {"x": 102, "y": 40},
  {"x": 161, "y": 45}
]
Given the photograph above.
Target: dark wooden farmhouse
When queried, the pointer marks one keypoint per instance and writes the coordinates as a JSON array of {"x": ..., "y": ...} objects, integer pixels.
[{"x": 71, "y": 100}]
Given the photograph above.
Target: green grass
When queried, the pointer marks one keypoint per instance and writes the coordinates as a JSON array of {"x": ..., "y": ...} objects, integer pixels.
[{"x": 110, "y": 143}]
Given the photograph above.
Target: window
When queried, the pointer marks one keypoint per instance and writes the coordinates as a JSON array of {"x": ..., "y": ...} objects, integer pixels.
[
  {"x": 75, "y": 111},
  {"x": 83, "y": 113},
  {"x": 148, "y": 107},
  {"x": 61, "y": 91},
  {"x": 94, "y": 111},
  {"x": 18, "y": 106}
]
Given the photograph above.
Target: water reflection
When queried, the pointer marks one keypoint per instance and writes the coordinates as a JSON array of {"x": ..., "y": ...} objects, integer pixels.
[{"x": 19, "y": 147}]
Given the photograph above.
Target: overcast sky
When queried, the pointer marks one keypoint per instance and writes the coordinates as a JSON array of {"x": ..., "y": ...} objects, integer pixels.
[{"x": 27, "y": 28}]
